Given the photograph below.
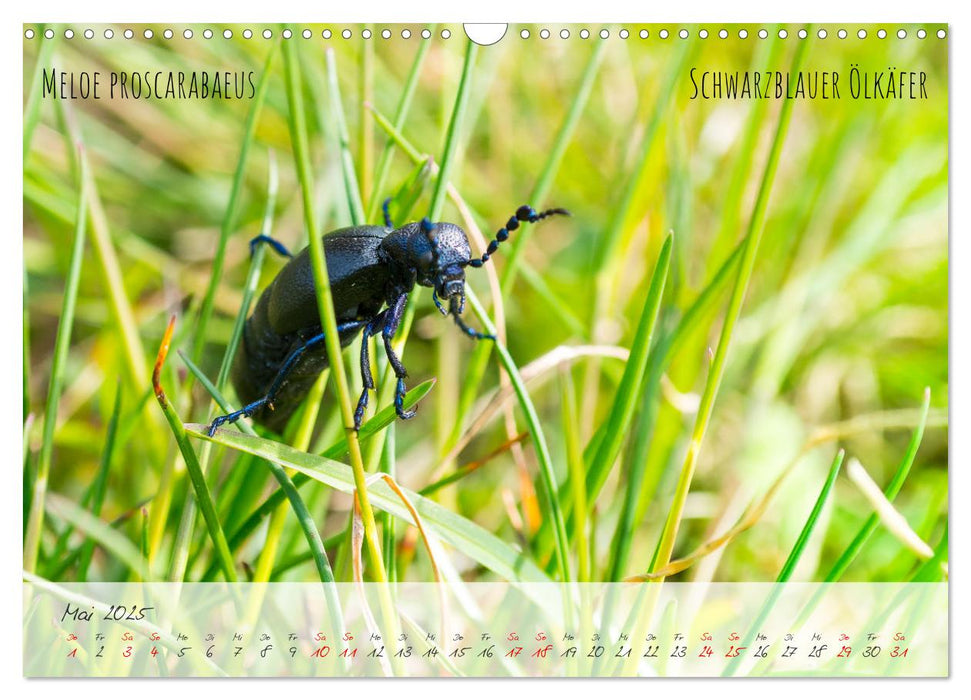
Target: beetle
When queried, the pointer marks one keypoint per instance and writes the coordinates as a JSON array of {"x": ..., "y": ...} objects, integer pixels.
[{"x": 372, "y": 270}]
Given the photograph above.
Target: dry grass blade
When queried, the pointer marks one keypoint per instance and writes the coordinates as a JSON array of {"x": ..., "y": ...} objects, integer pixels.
[
  {"x": 753, "y": 513},
  {"x": 749, "y": 518},
  {"x": 538, "y": 368},
  {"x": 472, "y": 466},
  {"x": 891, "y": 518},
  {"x": 439, "y": 581},
  {"x": 393, "y": 485},
  {"x": 357, "y": 543}
]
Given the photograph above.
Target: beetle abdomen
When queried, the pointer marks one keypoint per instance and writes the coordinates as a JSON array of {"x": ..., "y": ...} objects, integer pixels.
[
  {"x": 286, "y": 316},
  {"x": 259, "y": 355},
  {"x": 357, "y": 281},
  {"x": 259, "y": 358}
]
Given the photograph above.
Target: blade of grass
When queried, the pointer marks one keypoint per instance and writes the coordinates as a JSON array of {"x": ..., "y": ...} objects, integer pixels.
[
  {"x": 644, "y": 481},
  {"x": 891, "y": 491},
  {"x": 438, "y": 195},
  {"x": 574, "y": 460},
  {"x": 799, "y": 547},
  {"x": 381, "y": 420},
  {"x": 397, "y": 138},
  {"x": 615, "y": 427},
  {"x": 32, "y": 108},
  {"x": 288, "y": 490},
  {"x": 645, "y": 431},
  {"x": 249, "y": 291},
  {"x": 230, "y": 216},
  {"x": 752, "y": 514},
  {"x": 28, "y": 471},
  {"x": 537, "y": 371},
  {"x": 612, "y": 236},
  {"x": 26, "y": 350},
  {"x": 629, "y": 390},
  {"x": 121, "y": 308},
  {"x": 100, "y": 485},
  {"x": 387, "y": 522},
  {"x": 325, "y": 302},
  {"x": 275, "y": 528},
  {"x": 892, "y": 519},
  {"x": 253, "y": 276},
  {"x": 766, "y": 55},
  {"x": 400, "y": 117},
  {"x": 552, "y": 165},
  {"x": 100, "y": 532},
  {"x": 932, "y": 570},
  {"x": 447, "y": 161},
  {"x": 62, "y": 343},
  {"x": 469, "y": 538},
  {"x": 791, "y": 561},
  {"x": 365, "y": 122},
  {"x": 606, "y": 274},
  {"x": 480, "y": 355},
  {"x": 547, "y": 475},
  {"x": 351, "y": 189},
  {"x": 415, "y": 517},
  {"x": 231, "y": 484},
  {"x": 196, "y": 475},
  {"x": 274, "y": 531},
  {"x": 749, "y": 518},
  {"x": 630, "y": 395},
  {"x": 442, "y": 185},
  {"x": 746, "y": 265},
  {"x": 143, "y": 532}
]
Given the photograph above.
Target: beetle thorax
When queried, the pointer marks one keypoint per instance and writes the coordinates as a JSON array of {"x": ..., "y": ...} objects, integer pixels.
[{"x": 413, "y": 257}]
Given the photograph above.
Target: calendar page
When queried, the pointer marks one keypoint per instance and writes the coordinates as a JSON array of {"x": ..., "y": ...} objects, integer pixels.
[{"x": 512, "y": 350}]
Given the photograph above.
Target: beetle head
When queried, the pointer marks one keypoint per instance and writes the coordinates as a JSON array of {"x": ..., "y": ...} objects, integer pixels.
[
  {"x": 436, "y": 254},
  {"x": 442, "y": 265}
]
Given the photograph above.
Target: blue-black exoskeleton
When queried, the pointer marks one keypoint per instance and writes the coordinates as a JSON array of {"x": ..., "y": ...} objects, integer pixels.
[{"x": 372, "y": 269}]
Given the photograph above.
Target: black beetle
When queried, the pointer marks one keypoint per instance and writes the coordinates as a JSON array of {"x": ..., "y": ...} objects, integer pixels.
[{"x": 283, "y": 351}]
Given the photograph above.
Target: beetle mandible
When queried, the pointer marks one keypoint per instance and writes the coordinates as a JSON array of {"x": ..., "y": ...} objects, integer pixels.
[{"x": 372, "y": 270}]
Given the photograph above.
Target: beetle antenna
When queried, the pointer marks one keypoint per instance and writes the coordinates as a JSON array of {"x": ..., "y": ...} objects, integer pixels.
[
  {"x": 525, "y": 214},
  {"x": 429, "y": 229}
]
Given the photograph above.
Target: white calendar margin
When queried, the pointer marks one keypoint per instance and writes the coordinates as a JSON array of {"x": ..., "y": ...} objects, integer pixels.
[{"x": 492, "y": 11}]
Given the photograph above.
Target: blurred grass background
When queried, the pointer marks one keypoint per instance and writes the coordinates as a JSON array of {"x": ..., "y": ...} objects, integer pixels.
[{"x": 845, "y": 317}]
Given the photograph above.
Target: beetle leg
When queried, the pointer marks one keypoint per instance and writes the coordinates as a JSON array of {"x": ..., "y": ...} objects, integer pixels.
[
  {"x": 394, "y": 314},
  {"x": 272, "y": 242},
  {"x": 387, "y": 212},
  {"x": 285, "y": 369},
  {"x": 366, "y": 379},
  {"x": 245, "y": 412},
  {"x": 456, "y": 309}
]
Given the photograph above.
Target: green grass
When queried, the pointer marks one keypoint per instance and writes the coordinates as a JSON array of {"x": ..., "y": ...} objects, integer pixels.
[
  {"x": 203, "y": 496},
  {"x": 791, "y": 561},
  {"x": 325, "y": 303},
  {"x": 231, "y": 213},
  {"x": 775, "y": 274},
  {"x": 746, "y": 264},
  {"x": 62, "y": 343}
]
